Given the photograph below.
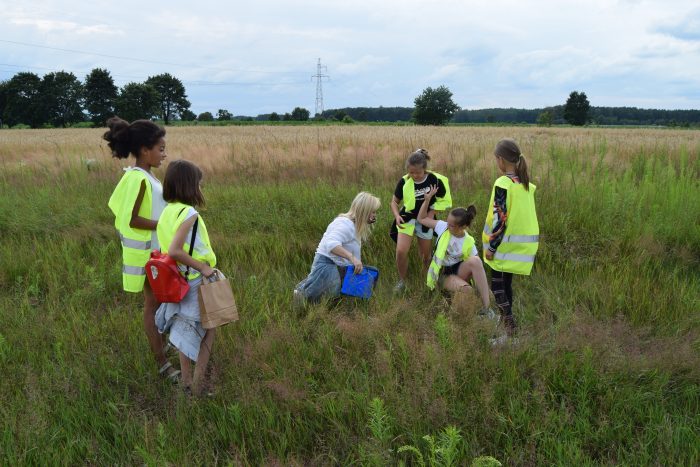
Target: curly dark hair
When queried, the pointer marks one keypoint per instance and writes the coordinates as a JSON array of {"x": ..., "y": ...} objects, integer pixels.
[{"x": 125, "y": 138}]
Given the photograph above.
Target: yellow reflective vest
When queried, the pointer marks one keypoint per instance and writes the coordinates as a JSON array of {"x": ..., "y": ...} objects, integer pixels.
[
  {"x": 441, "y": 251},
  {"x": 409, "y": 194},
  {"x": 170, "y": 220},
  {"x": 516, "y": 253},
  {"x": 136, "y": 243}
]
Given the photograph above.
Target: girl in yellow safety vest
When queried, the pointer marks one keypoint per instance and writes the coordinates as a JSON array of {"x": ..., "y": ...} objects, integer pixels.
[
  {"x": 411, "y": 190},
  {"x": 137, "y": 202},
  {"x": 181, "y": 225},
  {"x": 511, "y": 232},
  {"x": 456, "y": 260}
]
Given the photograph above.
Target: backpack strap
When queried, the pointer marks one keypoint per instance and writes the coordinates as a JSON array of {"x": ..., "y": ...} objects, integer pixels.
[{"x": 194, "y": 234}]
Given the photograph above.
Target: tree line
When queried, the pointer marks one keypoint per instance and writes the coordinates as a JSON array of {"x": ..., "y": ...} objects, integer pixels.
[{"x": 60, "y": 99}]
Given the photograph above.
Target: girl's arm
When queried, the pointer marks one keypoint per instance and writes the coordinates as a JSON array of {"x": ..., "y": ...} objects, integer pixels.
[
  {"x": 177, "y": 253},
  {"x": 500, "y": 212},
  {"x": 395, "y": 210},
  {"x": 423, "y": 215},
  {"x": 342, "y": 252},
  {"x": 138, "y": 222}
]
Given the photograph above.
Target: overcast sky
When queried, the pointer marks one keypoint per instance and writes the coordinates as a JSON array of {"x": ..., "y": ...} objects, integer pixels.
[{"x": 259, "y": 56}]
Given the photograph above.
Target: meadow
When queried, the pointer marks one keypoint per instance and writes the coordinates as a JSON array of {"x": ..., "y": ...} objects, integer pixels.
[{"x": 606, "y": 370}]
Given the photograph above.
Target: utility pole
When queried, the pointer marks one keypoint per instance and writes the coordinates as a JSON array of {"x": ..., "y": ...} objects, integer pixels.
[{"x": 319, "y": 88}]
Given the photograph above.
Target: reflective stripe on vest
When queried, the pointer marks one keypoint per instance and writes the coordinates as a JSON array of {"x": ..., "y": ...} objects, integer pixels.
[
  {"x": 514, "y": 238},
  {"x": 133, "y": 270},
  {"x": 514, "y": 257},
  {"x": 136, "y": 244}
]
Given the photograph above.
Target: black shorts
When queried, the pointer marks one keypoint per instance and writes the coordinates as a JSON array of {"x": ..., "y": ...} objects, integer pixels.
[{"x": 450, "y": 270}]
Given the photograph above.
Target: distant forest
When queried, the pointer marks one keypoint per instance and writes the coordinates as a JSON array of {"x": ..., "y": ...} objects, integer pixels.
[{"x": 597, "y": 115}]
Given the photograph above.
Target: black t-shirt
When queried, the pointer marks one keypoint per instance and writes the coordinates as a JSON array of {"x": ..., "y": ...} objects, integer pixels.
[{"x": 420, "y": 189}]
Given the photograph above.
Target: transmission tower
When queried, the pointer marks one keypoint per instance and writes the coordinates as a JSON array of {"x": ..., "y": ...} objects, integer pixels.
[{"x": 319, "y": 87}]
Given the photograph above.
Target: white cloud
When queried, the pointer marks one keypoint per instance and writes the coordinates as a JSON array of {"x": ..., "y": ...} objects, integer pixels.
[
  {"x": 50, "y": 26},
  {"x": 498, "y": 53},
  {"x": 446, "y": 71},
  {"x": 366, "y": 63}
]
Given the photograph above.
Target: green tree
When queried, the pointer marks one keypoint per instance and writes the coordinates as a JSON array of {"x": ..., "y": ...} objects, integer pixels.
[
  {"x": 100, "y": 96},
  {"x": 300, "y": 114},
  {"x": 137, "y": 101},
  {"x": 3, "y": 101},
  {"x": 172, "y": 100},
  {"x": 22, "y": 100},
  {"x": 274, "y": 117},
  {"x": 205, "y": 117},
  {"x": 576, "y": 108},
  {"x": 434, "y": 106},
  {"x": 188, "y": 116},
  {"x": 61, "y": 99},
  {"x": 545, "y": 118},
  {"x": 224, "y": 114}
]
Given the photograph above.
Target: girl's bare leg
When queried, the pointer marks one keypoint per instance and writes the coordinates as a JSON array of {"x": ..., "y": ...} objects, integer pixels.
[
  {"x": 403, "y": 244},
  {"x": 473, "y": 268},
  {"x": 155, "y": 339},
  {"x": 185, "y": 370},
  {"x": 425, "y": 248},
  {"x": 200, "y": 368}
]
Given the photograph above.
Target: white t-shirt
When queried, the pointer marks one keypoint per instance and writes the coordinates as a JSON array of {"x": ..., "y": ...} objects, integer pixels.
[
  {"x": 453, "y": 255},
  {"x": 340, "y": 232},
  {"x": 157, "y": 203}
]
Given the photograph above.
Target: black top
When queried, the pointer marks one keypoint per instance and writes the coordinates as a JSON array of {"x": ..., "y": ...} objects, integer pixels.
[{"x": 420, "y": 189}]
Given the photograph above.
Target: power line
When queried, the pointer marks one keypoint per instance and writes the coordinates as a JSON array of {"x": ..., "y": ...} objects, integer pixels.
[
  {"x": 153, "y": 62},
  {"x": 189, "y": 83}
]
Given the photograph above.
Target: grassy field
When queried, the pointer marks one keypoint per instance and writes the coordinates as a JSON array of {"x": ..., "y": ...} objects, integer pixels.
[{"x": 606, "y": 371}]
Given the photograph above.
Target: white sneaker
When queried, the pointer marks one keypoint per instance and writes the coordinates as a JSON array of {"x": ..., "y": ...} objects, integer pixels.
[
  {"x": 298, "y": 300},
  {"x": 488, "y": 313},
  {"x": 503, "y": 340},
  {"x": 400, "y": 287}
]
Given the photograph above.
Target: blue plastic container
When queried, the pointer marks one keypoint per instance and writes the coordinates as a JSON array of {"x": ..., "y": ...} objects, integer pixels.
[{"x": 359, "y": 285}]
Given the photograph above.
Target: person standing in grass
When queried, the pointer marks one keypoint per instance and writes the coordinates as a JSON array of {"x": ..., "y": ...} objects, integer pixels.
[
  {"x": 340, "y": 247},
  {"x": 511, "y": 232},
  {"x": 411, "y": 190},
  {"x": 178, "y": 224},
  {"x": 137, "y": 203},
  {"x": 456, "y": 260}
]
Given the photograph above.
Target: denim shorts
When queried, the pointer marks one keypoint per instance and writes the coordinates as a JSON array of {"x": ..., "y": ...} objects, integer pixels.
[
  {"x": 323, "y": 280},
  {"x": 413, "y": 226}
]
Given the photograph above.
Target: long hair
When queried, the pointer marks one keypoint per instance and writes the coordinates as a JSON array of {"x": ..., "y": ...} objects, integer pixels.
[
  {"x": 362, "y": 206},
  {"x": 181, "y": 183},
  {"x": 509, "y": 151},
  {"x": 125, "y": 138}
]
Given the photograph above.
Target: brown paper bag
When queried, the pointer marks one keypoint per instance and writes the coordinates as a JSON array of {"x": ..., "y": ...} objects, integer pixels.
[{"x": 216, "y": 303}]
